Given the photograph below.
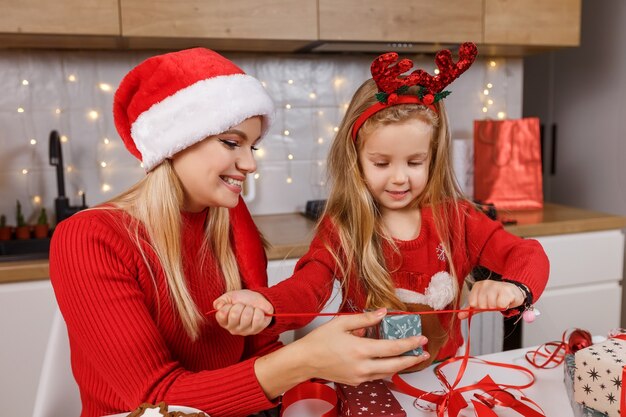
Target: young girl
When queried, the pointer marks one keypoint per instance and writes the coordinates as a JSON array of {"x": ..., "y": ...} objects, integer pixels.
[
  {"x": 134, "y": 276},
  {"x": 396, "y": 231}
]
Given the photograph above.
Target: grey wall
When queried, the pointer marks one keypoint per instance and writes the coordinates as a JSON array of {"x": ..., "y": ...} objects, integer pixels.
[{"x": 583, "y": 91}]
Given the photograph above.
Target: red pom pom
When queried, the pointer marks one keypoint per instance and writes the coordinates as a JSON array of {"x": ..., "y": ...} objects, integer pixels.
[
  {"x": 428, "y": 99},
  {"x": 392, "y": 99}
]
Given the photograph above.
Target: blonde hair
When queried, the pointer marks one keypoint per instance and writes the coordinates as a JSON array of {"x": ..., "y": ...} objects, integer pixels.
[
  {"x": 355, "y": 214},
  {"x": 159, "y": 195}
]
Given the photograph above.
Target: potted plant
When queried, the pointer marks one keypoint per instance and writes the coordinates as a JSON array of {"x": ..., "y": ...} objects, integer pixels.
[
  {"x": 22, "y": 231},
  {"x": 5, "y": 231},
  {"x": 42, "y": 227}
]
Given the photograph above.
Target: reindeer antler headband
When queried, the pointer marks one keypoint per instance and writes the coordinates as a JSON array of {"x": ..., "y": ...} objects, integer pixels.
[{"x": 393, "y": 88}]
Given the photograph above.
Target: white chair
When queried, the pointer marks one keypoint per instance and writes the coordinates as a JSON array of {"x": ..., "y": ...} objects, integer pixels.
[{"x": 57, "y": 394}]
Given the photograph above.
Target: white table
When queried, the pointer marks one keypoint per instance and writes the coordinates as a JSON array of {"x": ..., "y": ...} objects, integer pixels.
[{"x": 548, "y": 390}]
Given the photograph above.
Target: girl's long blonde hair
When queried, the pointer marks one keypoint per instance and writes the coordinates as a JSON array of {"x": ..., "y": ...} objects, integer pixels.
[
  {"x": 155, "y": 205},
  {"x": 355, "y": 214}
]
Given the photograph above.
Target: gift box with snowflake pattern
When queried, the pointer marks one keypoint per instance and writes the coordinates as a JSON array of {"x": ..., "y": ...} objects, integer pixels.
[
  {"x": 370, "y": 399},
  {"x": 400, "y": 326},
  {"x": 599, "y": 374}
]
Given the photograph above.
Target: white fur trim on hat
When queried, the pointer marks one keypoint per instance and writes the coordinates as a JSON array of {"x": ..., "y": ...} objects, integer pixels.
[
  {"x": 205, "y": 108},
  {"x": 440, "y": 292}
]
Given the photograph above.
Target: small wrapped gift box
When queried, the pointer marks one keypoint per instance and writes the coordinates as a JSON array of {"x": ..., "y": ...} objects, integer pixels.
[
  {"x": 399, "y": 326},
  {"x": 371, "y": 399},
  {"x": 598, "y": 376},
  {"x": 568, "y": 378}
]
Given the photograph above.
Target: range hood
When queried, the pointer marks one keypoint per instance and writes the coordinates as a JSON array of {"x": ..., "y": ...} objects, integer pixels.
[{"x": 377, "y": 47}]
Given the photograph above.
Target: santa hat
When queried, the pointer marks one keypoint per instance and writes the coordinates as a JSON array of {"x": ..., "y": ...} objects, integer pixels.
[{"x": 169, "y": 102}]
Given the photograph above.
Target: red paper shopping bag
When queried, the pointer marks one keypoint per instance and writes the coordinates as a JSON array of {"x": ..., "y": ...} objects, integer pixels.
[{"x": 507, "y": 163}]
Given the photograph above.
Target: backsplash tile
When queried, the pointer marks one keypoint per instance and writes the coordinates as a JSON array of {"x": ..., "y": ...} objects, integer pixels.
[{"x": 311, "y": 93}]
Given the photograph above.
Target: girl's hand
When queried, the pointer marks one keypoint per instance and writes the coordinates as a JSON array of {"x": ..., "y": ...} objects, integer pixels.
[
  {"x": 494, "y": 294},
  {"x": 243, "y": 312},
  {"x": 336, "y": 352}
]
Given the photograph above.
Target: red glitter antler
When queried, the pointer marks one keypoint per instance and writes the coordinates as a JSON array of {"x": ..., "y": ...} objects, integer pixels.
[{"x": 388, "y": 76}]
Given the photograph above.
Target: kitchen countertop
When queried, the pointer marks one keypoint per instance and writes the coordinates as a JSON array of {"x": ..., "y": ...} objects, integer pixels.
[{"x": 290, "y": 234}]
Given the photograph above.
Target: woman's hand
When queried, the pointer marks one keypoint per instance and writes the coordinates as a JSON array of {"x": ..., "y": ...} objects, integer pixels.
[
  {"x": 335, "y": 352},
  {"x": 243, "y": 312},
  {"x": 494, "y": 294}
]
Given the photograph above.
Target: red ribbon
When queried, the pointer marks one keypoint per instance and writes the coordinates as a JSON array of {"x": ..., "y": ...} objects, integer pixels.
[
  {"x": 453, "y": 402},
  {"x": 554, "y": 352},
  {"x": 309, "y": 391}
]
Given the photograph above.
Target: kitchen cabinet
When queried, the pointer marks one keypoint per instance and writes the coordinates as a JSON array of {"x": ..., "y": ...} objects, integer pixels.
[
  {"x": 26, "y": 312},
  {"x": 584, "y": 290},
  {"x": 66, "y": 17},
  {"x": 59, "y": 24},
  {"x": 532, "y": 22},
  {"x": 426, "y": 21},
  {"x": 234, "y": 24}
]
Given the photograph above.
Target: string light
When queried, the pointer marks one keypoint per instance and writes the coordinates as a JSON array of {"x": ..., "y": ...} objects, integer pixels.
[
  {"x": 289, "y": 81},
  {"x": 485, "y": 109},
  {"x": 64, "y": 138},
  {"x": 492, "y": 64},
  {"x": 264, "y": 84},
  {"x": 33, "y": 142},
  {"x": 486, "y": 92},
  {"x": 106, "y": 187},
  {"x": 338, "y": 82},
  {"x": 37, "y": 199},
  {"x": 335, "y": 129},
  {"x": 288, "y": 106},
  {"x": 80, "y": 193},
  {"x": 103, "y": 164},
  {"x": 24, "y": 171},
  {"x": 312, "y": 96},
  {"x": 286, "y": 133},
  {"x": 105, "y": 87},
  {"x": 256, "y": 176},
  {"x": 489, "y": 85},
  {"x": 320, "y": 112},
  {"x": 70, "y": 168},
  {"x": 24, "y": 82},
  {"x": 71, "y": 78},
  {"x": 290, "y": 156},
  {"x": 106, "y": 141},
  {"x": 57, "y": 110},
  {"x": 260, "y": 153},
  {"x": 501, "y": 115},
  {"x": 289, "y": 180},
  {"x": 490, "y": 102},
  {"x": 93, "y": 115},
  {"x": 141, "y": 165},
  {"x": 436, "y": 71},
  {"x": 320, "y": 140},
  {"x": 20, "y": 109}
]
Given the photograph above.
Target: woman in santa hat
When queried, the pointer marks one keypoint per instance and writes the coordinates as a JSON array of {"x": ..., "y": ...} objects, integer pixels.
[{"x": 135, "y": 276}]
